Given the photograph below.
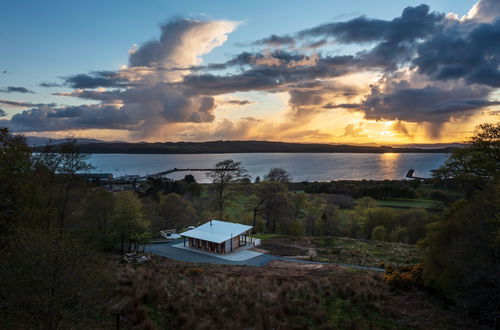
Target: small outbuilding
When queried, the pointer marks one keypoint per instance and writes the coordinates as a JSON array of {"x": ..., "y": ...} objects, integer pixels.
[{"x": 218, "y": 236}]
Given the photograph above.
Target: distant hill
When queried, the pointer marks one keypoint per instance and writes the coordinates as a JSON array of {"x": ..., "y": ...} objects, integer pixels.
[
  {"x": 36, "y": 141},
  {"x": 215, "y": 147}
]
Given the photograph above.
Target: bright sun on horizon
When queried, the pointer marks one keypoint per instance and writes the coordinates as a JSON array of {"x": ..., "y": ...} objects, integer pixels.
[{"x": 324, "y": 71}]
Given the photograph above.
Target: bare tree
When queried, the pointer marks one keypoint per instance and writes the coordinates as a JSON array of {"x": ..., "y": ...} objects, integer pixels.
[
  {"x": 61, "y": 163},
  {"x": 278, "y": 175},
  {"x": 224, "y": 176}
]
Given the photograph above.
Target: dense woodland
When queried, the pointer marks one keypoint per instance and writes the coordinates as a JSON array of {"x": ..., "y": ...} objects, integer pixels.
[{"x": 61, "y": 237}]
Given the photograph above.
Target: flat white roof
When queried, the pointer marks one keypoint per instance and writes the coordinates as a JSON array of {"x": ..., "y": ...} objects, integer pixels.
[{"x": 217, "y": 231}]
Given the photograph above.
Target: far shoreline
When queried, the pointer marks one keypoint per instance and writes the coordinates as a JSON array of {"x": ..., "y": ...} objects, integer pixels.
[{"x": 239, "y": 147}]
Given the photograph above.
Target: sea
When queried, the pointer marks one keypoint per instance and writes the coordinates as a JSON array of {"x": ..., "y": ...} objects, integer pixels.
[{"x": 301, "y": 166}]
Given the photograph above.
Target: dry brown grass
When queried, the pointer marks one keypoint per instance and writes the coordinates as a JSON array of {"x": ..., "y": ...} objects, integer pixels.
[{"x": 169, "y": 294}]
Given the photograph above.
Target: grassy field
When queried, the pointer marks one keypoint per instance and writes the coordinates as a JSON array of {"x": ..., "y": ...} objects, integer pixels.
[
  {"x": 164, "y": 294},
  {"x": 411, "y": 203},
  {"x": 343, "y": 250}
]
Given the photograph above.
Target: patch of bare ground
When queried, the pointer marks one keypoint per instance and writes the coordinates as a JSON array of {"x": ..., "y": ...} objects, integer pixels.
[{"x": 282, "y": 295}]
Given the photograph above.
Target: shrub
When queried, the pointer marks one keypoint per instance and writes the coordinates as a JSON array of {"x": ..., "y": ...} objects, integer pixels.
[
  {"x": 405, "y": 277},
  {"x": 378, "y": 233}
]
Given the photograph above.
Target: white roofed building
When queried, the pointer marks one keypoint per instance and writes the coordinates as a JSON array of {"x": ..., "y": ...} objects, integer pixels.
[{"x": 218, "y": 236}]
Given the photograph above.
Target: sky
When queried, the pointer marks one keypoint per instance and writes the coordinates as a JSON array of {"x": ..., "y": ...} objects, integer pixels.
[{"x": 361, "y": 72}]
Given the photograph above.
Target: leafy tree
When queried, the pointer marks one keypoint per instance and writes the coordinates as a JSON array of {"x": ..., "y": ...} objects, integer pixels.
[
  {"x": 261, "y": 199},
  {"x": 189, "y": 178},
  {"x": 462, "y": 253},
  {"x": 462, "y": 250},
  {"x": 331, "y": 220},
  {"x": 312, "y": 212},
  {"x": 271, "y": 201},
  {"x": 399, "y": 234},
  {"x": 174, "y": 212},
  {"x": 93, "y": 222},
  {"x": 130, "y": 227},
  {"x": 380, "y": 217},
  {"x": 414, "y": 223},
  {"x": 278, "y": 175},
  {"x": 225, "y": 174},
  {"x": 478, "y": 163},
  {"x": 366, "y": 203},
  {"x": 379, "y": 233}
]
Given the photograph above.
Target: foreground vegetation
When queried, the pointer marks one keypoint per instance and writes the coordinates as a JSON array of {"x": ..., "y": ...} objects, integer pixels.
[
  {"x": 60, "y": 238},
  {"x": 168, "y": 294}
]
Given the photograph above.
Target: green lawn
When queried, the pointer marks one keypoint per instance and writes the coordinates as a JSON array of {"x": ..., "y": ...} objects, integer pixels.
[{"x": 411, "y": 203}]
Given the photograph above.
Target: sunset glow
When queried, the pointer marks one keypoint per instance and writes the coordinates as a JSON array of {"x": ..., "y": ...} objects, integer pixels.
[{"x": 201, "y": 78}]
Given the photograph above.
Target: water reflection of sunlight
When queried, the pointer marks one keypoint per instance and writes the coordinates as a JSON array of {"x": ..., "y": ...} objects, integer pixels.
[
  {"x": 389, "y": 163},
  {"x": 391, "y": 156}
]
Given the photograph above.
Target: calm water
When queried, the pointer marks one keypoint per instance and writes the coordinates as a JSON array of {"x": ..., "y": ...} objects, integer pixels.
[{"x": 302, "y": 166}]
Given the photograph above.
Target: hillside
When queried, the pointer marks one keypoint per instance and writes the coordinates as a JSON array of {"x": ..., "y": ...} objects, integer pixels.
[
  {"x": 168, "y": 294},
  {"x": 238, "y": 147}
]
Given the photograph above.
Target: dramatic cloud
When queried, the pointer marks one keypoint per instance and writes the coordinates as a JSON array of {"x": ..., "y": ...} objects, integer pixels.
[
  {"x": 420, "y": 67},
  {"x": 46, "y": 118},
  {"x": 181, "y": 45},
  {"x": 414, "y": 22},
  {"x": 483, "y": 11},
  {"x": 463, "y": 50},
  {"x": 427, "y": 104},
  {"x": 145, "y": 101},
  {"x": 292, "y": 68},
  {"x": 12, "y": 89}
]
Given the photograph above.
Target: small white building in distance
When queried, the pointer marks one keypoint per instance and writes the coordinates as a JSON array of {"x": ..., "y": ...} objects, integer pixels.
[{"x": 218, "y": 236}]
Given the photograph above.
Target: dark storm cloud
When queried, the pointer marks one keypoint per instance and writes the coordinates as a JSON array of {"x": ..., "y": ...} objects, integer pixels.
[
  {"x": 276, "y": 41},
  {"x": 357, "y": 30},
  {"x": 394, "y": 40},
  {"x": 13, "y": 89},
  {"x": 132, "y": 115},
  {"x": 95, "y": 79},
  {"x": 414, "y": 22},
  {"x": 428, "y": 104},
  {"x": 266, "y": 77},
  {"x": 454, "y": 53},
  {"x": 80, "y": 117}
]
